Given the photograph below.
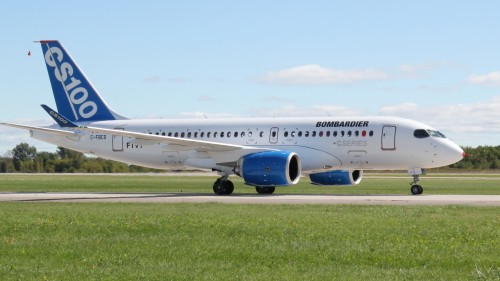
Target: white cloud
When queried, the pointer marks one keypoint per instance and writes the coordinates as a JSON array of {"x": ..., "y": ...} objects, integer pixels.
[
  {"x": 490, "y": 79},
  {"x": 206, "y": 98},
  {"x": 306, "y": 111},
  {"x": 421, "y": 70},
  {"x": 313, "y": 74},
  {"x": 151, "y": 79},
  {"x": 481, "y": 117}
]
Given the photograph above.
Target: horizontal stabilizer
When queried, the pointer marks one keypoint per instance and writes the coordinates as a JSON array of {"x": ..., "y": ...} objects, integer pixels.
[
  {"x": 41, "y": 129},
  {"x": 59, "y": 118}
]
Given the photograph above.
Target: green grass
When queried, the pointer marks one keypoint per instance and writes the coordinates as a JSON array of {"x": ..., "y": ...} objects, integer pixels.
[
  {"x": 100, "y": 241},
  {"x": 371, "y": 184},
  {"x": 136, "y": 241}
]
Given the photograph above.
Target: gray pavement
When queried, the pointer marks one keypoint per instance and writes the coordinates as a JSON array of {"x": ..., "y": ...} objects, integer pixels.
[{"x": 472, "y": 200}]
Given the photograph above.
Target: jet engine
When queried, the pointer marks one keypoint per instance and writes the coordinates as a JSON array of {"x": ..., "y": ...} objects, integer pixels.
[
  {"x": 270, "y": 168},
  {"x": 337, "y": 177}
]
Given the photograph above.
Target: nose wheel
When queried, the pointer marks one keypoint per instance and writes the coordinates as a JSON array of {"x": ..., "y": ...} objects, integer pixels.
[{"x": 416, "y": 189}]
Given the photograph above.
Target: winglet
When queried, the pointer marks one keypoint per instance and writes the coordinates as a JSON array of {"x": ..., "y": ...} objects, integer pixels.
[{"x": 60, "y": 119}]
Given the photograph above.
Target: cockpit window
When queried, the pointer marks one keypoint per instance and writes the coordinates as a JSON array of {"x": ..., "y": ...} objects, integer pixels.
[
  {"x": 436, "y": 134},
  {"x": 421, "y": 133}
]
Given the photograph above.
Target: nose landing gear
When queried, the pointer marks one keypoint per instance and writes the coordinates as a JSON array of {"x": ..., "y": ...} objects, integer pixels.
[{"x": 416, "y": 189}]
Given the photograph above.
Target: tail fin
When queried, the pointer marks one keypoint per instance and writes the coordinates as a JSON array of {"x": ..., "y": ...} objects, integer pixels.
[{"x": 75, "y": 96}]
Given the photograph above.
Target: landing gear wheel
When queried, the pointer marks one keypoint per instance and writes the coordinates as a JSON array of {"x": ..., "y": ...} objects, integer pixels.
[
  {"x": 223, "y": 187},
  {"x": 265, "y": 189},
  {"x": 416, "y": 189}
]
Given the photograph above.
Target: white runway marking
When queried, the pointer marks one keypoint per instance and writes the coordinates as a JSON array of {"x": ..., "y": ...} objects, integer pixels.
[{"x": 473, "y": 200}]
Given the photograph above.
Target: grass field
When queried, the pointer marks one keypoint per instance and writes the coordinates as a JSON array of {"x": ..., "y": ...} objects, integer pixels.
[
  {"x": 118, "y": 241},
  {"x": 371, "y": 184}
]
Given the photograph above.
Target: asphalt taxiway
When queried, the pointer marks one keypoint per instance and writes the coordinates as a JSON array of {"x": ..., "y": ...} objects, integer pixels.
[{"x": 472, "y": 200}]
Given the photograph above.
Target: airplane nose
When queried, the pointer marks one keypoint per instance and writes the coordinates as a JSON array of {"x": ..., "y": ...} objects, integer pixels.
[{"x": 451, "y": 153}]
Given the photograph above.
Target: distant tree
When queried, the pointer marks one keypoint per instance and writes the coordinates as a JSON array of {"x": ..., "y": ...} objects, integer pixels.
[
  {"x": 65, "y": 153},
  {"x": 3, "y": 167},
  {"x": 23, "y": 152}
]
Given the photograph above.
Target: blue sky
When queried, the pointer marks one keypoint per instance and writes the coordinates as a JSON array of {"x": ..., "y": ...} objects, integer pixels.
[{"x": 437, "y": 62}]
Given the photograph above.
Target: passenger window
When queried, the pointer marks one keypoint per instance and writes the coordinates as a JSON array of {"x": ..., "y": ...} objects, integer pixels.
[
  {"x": 189, "y": 134},
  {"x": 202, "y": 134},
  {"x": 163, "y": 133},
  {"x": 182, "y": 134},
  {"x": 176, "y": 134},
  {"x": 320, "y": 133},
  {"x": 274, "y": 134},
  {"x": 169, "y": 134},
  {"x": 215, "y": 134},
  {"x": 261, "y": 134},
  {"x": 356, "y": 133},
  {"x": 420, "y": 134},
  {"x": 349, "y": 133},
  {"x": 335, "y": 134},
  {"x": 242, "y": 134},
  {"x": 327, "y": 133},
  {"x": 306, "y": 134},
  {"x": 286, "y": 134},
  {"x": 371, "y": 134},
  {"x": 195, "y": 134},
  {"x": 342, "y": 133},
  {"x": 300, "y": 133},
  {"x": 235, "y": 134},
  {"x": 313, "y": 133},
  {"x": 221, "y": 134},
  {"x": 292, "y": 134},
  {"x": 208, "y": 134},
  {"x": 228, "y": 134}
]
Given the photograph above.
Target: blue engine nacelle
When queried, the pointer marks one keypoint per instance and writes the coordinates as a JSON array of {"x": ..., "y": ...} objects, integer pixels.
[
  {"x": 270, "y": 168},
  {"x": 338, "y": 177}
]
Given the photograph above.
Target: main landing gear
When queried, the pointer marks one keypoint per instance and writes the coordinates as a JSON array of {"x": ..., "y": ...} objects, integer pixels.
[
  {"x": 223, "y": 186},
  {"x": 265, "y": 189},
  {"x": 416, "y": 189}
]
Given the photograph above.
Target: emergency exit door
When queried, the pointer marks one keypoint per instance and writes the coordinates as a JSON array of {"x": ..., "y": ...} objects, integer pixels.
[{"x": 117, "y": 141}]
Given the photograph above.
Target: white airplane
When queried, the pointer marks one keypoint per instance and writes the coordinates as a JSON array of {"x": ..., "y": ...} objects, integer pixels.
[{"x": 265, "y": 152}]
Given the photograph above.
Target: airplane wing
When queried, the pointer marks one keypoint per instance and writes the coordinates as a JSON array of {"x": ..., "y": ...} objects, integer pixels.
[
  {"x": 42, "y": 129},
  {"x": 147, "y": 139},
  {"x": 188, "y": 143},
  {"x": 223, "y": 153}
]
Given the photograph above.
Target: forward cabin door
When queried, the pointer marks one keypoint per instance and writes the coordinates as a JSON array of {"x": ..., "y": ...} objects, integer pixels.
[{"x": 389, "y": 138}]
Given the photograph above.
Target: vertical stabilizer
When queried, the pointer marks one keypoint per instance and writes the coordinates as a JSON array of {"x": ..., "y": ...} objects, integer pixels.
[{"x": 75, "y": 96}]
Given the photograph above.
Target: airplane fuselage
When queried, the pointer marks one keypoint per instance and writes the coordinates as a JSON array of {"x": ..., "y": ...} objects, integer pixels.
[{"x": 367, "y": 143}]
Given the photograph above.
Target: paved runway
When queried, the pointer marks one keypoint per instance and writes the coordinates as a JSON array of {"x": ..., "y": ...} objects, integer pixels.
[{"x": 473, "y": 200}]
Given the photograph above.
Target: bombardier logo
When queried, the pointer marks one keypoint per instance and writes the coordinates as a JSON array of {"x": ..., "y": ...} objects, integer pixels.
[
  {"x": 76, "y": 94},
  {"x": 342, "y": 124}
]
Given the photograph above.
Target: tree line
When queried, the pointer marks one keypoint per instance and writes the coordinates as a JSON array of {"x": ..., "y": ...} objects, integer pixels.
[{"x": 26, "y": 159}]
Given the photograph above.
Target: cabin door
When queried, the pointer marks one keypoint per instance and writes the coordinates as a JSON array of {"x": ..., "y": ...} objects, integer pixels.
[{"x": 389, "y": 138}]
